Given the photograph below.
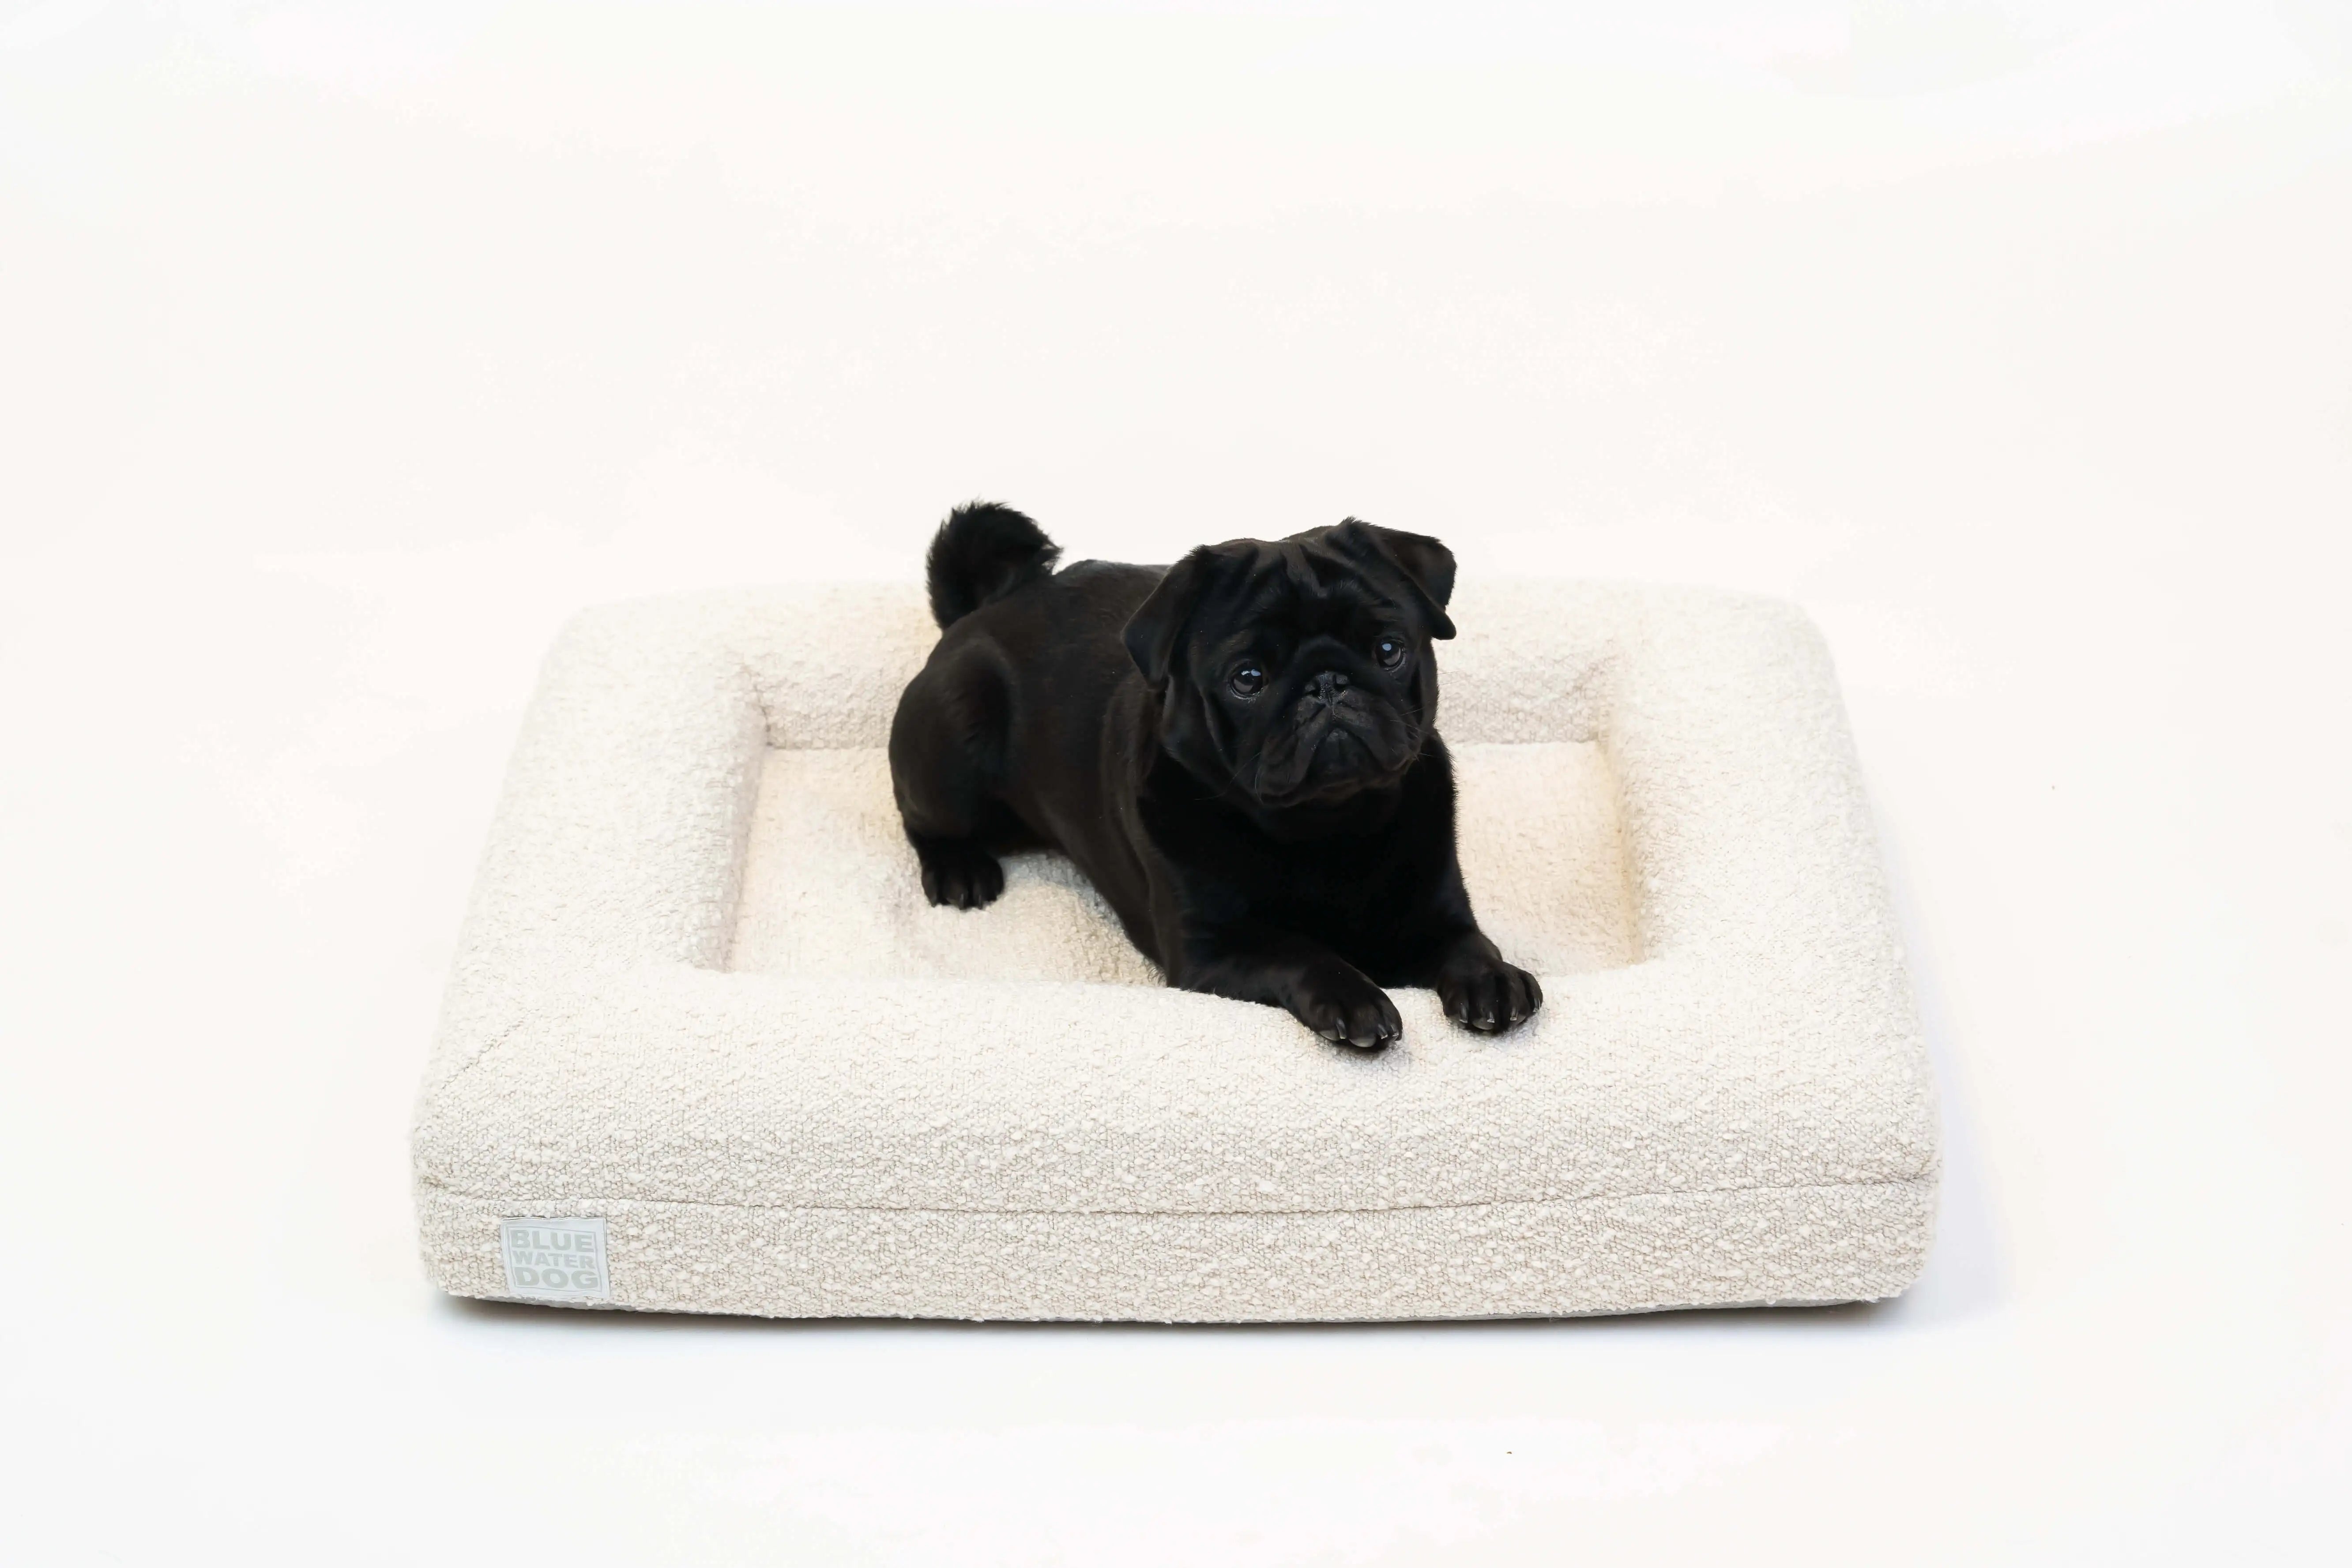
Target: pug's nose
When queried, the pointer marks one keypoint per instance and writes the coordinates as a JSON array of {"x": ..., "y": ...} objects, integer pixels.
[{"x": 1328, "y": 687}]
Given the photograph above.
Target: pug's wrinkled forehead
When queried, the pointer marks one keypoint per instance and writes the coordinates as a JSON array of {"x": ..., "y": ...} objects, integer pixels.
[
  {"x": 1318, "y": 581},
  {"x": 1305, "y": 585},
  {"x": 1353, "y": 565}
]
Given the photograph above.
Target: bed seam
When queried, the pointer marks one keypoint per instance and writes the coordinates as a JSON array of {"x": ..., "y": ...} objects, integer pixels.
[{"x": 1925, "y": 1179}]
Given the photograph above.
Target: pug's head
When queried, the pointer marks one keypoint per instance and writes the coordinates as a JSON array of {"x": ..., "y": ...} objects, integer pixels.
[{"x": 1296, "y": 676}]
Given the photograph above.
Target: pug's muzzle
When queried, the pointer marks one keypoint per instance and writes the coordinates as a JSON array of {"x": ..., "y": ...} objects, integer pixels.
[{"x": 1339, "y": 741}]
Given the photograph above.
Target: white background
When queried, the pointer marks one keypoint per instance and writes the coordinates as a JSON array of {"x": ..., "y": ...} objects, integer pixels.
[{"x": 343, "y": 350}]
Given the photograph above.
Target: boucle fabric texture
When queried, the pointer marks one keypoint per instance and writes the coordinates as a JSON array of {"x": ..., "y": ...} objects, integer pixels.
[{"x": 699, "y": 995}]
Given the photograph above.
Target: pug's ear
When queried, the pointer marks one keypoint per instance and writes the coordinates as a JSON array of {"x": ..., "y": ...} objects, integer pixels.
[
  {"x": 1427, "y": 564},
  {"x": 1151, "y": 632}
]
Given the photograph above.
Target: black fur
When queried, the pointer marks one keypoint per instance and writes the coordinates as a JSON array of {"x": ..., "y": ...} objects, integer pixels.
[
  {"x": 982, "y": 552},
  {"x": 1240, "y": 750}
]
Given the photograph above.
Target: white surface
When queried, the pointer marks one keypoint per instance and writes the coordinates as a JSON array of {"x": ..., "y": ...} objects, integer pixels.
[
  {"x": 341, "y": 354},
  {"x": 1740, "y": 1110}
]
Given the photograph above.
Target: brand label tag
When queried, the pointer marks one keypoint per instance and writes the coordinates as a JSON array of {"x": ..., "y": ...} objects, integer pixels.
[{"x": 555, "y": 1259}]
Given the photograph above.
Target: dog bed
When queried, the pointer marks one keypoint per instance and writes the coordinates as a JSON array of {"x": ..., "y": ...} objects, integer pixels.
[{"x": 706, "y": 1048}]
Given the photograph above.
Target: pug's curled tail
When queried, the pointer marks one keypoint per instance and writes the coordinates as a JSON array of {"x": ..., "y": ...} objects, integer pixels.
[{"x": 982, "y": 552}]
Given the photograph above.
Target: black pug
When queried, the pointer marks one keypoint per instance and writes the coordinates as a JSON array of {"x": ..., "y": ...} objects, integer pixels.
[{"x": 1239, "y": 751}]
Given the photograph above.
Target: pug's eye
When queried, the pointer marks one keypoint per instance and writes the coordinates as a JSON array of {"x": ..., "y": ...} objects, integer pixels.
[
  {"x": 1390, "y": 652},
  {"x": 1248, "y": 680}
]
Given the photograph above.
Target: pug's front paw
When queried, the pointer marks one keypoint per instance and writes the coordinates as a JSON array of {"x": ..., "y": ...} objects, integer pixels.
[
  {"x": 959, "y": 874},
  {"x": 1339, "y": 1004},
  {"x": 1482, "y": 993}
]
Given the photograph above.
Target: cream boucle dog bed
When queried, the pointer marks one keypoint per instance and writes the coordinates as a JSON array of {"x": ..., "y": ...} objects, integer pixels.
[{"x": 700, "y": 1007}]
